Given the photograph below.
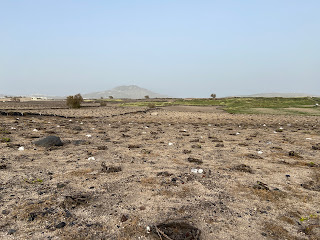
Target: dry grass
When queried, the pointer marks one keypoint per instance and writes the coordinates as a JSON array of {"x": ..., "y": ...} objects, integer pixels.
[
  {"x": 148, "y": 181},
  {"x": 275, "y": 231},
  {"x": 132, "y": 229},
  {"x": 181, "y": 193}
]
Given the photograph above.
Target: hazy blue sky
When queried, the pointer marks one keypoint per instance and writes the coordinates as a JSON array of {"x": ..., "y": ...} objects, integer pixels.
[{"x": 179, "y": 48}]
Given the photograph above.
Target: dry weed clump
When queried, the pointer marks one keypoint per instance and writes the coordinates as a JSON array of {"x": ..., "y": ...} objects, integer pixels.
[
  {"x": 132, "y": 229},
  {"x": 148, "y": 181},
  {"x": 181, "y": 193},
  {"x": 275, "y": 231},
  {"x": 79, "y": 173}
]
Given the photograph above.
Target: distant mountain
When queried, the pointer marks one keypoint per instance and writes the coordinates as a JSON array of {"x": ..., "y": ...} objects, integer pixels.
[
  {"x": 284, "y": 95},
  {"x": 131, "y": 92}
]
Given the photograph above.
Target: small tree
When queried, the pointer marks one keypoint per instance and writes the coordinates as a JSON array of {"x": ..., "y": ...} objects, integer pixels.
[
  {"x": 15, "y": 99},
  {"x": 110, "y": 97},
  {"x": 146, "y": 97},
  {"x": 74, "y": 101},
  {"x": 213, "y": 95}
]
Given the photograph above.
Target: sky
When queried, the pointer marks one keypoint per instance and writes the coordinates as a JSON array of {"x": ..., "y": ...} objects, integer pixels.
[{"x": 178, "y": 48}]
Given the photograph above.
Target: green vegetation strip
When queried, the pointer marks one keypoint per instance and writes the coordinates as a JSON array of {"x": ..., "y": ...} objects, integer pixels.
[{"x": 276, "y": 105}]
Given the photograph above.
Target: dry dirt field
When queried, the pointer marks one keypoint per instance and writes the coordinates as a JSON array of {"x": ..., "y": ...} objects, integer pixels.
[{"x": 166, "y": 173}]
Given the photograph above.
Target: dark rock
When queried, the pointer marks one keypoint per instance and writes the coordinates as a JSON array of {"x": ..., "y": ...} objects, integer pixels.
[
  {"x": 134, "y": 146},
  {"x": 61, "y": 225},
  {"x": 76, "y": 200},
  {"x": 49, "y": 141},
  {"x": 3, "y": 166},
  {"x": 11, "y": 231},
  {"x": 196, "y": 146},
  {"x": 124, "y": 218},
  {"x": 5, "y": 212},
  {"x": 294, "y": 154},
  {"x": 219, "y": 145},
  {"x": 316, "y": 147},
  {"x": 102, "y": 148},
  {"x": 32, "y": 216},
  {"x": 164, "y": 174},
  {"x": 253, "y": 156},
  {"x": 185, "y": 151},
  {"x": 243, "y": 168},
  {"x": 194, "y": 160},
  {"x": 61, "y": 185},
  {"x": 311, "y": 185}
]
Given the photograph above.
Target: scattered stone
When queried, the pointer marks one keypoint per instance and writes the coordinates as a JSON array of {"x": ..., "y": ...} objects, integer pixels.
[
  {"x": 75, "y": 199},
  {"x": 243, "y": 168},
  {"x": 32, "y": 216},
  {"x": 164, "y": 174},
  {"x": 109, "y": 169},
  {"x": 253, "y": 156},
  {"x": 185, "y": 151},
  {"x": 194, "y": 160},
  {"x": 261, "y": 185},
  {"x": 3, "y": 166},
  {"x": 316, "y": 147},
  {"x": 21, "y": 149},
  {"x": 61, "y": 185},
  {"x": 102, "y": 148},
  {"x": 195, "y": 170},
  {"x": 49, "y": 141},
  {"x": 216, "y": 140},
  {"x": 5, "y": 212},
  {"x": 294, "y": 154},
  {"x": 196, "y": 146},
  {"x": 311, "y": 185},
  {"x": 145, "y": 151},
  {"x": 243, "y": 144},
  {"x": 134, "y": 146},
  {"x": 219, "y": 145}
]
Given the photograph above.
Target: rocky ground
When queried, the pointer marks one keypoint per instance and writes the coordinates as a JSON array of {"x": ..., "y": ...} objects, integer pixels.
[{"x": 166, "y": 173}]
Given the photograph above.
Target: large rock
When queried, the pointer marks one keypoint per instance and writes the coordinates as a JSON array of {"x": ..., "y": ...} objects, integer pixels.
[{"x": 49, "y": 141}]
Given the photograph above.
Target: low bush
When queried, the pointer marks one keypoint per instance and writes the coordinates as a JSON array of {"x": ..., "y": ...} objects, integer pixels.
[{"x": 74, "y": 101}]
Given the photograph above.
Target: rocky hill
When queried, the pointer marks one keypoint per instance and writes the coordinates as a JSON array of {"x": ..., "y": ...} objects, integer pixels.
[{"x": 131, "y": 92}]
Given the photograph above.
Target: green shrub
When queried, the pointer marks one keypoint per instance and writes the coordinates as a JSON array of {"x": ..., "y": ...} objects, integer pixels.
[
  {"x": 5, "y": 139},
  {"x": 74, "y": 101},
  {"x": 151, "y": 105}
]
